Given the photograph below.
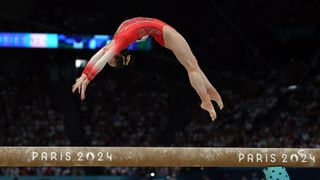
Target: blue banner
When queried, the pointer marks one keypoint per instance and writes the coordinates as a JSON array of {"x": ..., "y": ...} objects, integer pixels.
[{"x": 62, "y": 41}]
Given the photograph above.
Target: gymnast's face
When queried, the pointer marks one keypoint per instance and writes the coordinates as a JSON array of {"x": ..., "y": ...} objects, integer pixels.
[{"x": 120, "y": 60}]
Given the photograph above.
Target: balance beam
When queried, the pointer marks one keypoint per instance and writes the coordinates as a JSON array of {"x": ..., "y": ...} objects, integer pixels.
[{"x": 16, "y": 156}]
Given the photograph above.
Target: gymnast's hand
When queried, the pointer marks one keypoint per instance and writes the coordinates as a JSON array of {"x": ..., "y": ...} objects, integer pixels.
[{"x": 81, "y": 84}]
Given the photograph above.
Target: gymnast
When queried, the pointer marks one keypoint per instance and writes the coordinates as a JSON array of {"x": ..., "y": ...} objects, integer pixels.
[{"x": 138, "y": 29}]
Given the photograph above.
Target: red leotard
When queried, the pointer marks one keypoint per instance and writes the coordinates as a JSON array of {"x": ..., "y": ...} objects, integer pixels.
[
  {"x": 135, "y": 28},
  {"x": 128, "y": 32}
]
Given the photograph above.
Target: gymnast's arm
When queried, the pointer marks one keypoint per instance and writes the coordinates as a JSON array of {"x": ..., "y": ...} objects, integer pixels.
[
  {"x": 117, "y": 31},
  {"x": 94, "y": 60},
  {"x": 100, "y": 65},
  {"x": 93, "y": 67},
  {"x": 82, "y": 83}
]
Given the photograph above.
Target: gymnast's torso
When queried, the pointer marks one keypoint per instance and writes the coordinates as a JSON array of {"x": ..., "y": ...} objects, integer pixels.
[{"x": 135, "y": 28}]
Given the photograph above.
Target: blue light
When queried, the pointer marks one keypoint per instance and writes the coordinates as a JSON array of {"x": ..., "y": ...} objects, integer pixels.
[
  {"x": 61, "y": 41},
  {"x": 92, "y": 44},
  {"x": 52, "y": 40}
]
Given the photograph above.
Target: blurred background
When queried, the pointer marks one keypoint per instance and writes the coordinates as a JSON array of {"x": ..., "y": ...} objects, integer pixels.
[{"x": 262, "y": 56}]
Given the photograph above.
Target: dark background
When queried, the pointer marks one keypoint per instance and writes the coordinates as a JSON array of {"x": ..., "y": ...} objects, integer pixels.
[{"x": 250, "y": 50}]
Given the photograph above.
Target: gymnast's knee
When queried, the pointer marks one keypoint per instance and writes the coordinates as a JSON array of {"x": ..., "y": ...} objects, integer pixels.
[{"x": 192, "y": 65}]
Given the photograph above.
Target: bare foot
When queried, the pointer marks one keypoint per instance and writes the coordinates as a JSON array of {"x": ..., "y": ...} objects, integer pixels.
[
  {"x": 216, "y": 97},
  {"x": 209, "y": 107}
]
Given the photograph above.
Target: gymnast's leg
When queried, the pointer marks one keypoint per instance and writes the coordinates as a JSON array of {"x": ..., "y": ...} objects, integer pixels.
[
  {"x": 212, "y": 92},
  {"x": 178, "y": 45}
]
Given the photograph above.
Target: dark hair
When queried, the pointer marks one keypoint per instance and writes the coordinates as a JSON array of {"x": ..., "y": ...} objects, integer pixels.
[{"x": 124, "y": 58}]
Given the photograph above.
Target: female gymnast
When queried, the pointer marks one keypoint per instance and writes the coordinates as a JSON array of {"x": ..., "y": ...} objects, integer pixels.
[{"x": 139, "y": 29}]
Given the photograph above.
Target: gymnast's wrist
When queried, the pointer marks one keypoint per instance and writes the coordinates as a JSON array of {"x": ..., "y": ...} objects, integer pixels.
[
  {"x": 86, "y": 70},
  {"x": 84, "y": 76},
  {"x": 84, "y": 73},
  {"x": 89, "y": 77}
]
